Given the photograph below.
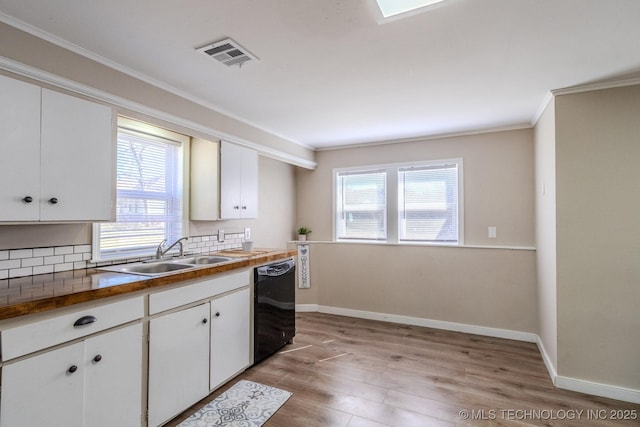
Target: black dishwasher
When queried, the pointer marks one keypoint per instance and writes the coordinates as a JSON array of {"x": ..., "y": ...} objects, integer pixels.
[{"x": 274, "y": 308}]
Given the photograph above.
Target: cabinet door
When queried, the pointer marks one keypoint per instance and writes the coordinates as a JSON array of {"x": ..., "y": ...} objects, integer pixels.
[
  {"x": 249, "y": 183},
  {"x": 230, "y": 180},
  {"x": 204, "y": 180},
  {"x": 42, "y": 390},
  {"x": 19, "y": 150},
  {"x": 113, "y": 378},
  {"x": 178, "y": 362},
  {"x": 230, "y": 336},
  {"x": 77, "y": 149}
]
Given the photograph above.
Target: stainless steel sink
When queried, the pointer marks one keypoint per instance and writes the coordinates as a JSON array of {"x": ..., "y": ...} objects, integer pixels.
[
  {"x": 160, "y": 268},
  {"x": 204, "y": 260},
  {"x": 150, "y": 269}
]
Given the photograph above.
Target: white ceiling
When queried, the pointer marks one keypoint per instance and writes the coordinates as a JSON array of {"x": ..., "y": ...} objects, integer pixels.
[{"x": 329, "y": 73}]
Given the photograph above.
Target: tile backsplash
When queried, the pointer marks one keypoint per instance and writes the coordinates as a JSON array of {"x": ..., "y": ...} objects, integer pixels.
[{"x": 32, "y": 261}]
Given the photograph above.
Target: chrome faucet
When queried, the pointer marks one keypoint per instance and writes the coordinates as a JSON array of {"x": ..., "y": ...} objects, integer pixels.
[{"x": 161, "y": 251}]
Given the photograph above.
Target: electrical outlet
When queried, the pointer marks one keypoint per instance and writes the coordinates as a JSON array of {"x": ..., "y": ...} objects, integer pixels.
[
  {"x": 492, "y": 232},
  {"x": 220, "y": 236},
  {"x": 247, "y": 233}
]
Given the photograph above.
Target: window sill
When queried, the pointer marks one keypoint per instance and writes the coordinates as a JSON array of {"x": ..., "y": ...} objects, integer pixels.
[{"x": 421, "y": 245}]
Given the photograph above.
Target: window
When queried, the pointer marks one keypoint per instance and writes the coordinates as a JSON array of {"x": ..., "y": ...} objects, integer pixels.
[
  {"x": 402, "y": 203},
  {"x": 428, "y": 204},
  {"x": 149, "y": 181},
  {"x": 361, "y": 212},
  {"x": 396, "y": 7}
]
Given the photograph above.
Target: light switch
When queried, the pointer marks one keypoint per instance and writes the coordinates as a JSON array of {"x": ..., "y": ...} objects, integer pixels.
[
  {"x": 492, "y": 232},
  {"x": 247, "y": 234}
]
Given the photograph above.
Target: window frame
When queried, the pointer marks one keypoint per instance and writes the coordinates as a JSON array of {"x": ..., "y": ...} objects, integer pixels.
[
  {"x": 337, "y": 213},
  {"x": 138, "y": 127},
  {"x": 392, "y": 209}
]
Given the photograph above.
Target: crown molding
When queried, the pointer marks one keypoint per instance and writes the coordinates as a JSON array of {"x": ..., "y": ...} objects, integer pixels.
[
  {"x": 595, "y": 86},
  {"x": 36, "y": 74},
  {"x": 541, "y": 109},
  {"x": 65, "y": 44},
  {"x": 428, "y": 137}
]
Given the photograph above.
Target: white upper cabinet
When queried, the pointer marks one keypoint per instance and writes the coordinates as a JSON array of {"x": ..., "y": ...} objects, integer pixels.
[
  {"x": 56, "y": 156},
  {"x": 19, "y": 150},
  {"x": 238, "y": 182},
  {"x": 204, "y": 180},
  {"x": 77, "y": 159}
]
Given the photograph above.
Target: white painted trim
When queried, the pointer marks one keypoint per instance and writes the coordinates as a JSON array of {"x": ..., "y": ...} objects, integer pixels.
[
  {"x": 582, "y": 386},
  {"x": 595, "y": 86},
  {"x": 420, "y": 245},
  {"x": 547, "y": 360},
  {"x": 598, "y": 389},
  {"x": 427, "y": 137},
  {"x": 105, "y": 97},
  {"x": 306, "y": 308},
  {"x": 548, "y": 98},
  {"x": 65, "y": 44},
  {"x": 566, "y": 383},
  {"x": 430, "y": 323}
]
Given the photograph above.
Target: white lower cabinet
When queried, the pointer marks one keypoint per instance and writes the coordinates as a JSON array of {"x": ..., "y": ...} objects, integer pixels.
[
  {"x": 113, "y": 378},
  {"x": 230, "y": 336},
  {"x": 178, "y": 362},
  {"x": 92, "y": 383},
  {"x": 195, "y": 350},
  {"x": 84, "y": 369}
]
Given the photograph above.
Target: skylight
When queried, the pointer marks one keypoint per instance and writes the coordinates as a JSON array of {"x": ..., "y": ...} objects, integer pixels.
[{"x": 396, "y": 7}]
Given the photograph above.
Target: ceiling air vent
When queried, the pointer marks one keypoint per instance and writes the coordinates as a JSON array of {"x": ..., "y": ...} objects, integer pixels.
[{"x": 228, "y": 52}]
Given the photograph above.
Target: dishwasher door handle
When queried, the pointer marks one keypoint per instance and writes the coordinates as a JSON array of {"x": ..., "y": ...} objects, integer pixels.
[{"x": 275, "y": 270}]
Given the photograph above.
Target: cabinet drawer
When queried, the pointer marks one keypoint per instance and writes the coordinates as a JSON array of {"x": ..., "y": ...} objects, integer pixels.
[
  {"x": 207, "y": 288},
  {"x": 38, "y": 335}
]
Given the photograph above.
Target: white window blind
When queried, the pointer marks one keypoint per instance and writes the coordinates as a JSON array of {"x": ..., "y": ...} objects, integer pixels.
[
  {"x": 361, "y": 199},
  {"x": 410, "y": 203},
  {"x": 428, "y": 203},
  {"x": 149, "y": 196}
]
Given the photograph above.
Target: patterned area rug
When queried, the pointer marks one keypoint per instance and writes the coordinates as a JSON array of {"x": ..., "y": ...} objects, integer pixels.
[{"x": 246, "y": 404}]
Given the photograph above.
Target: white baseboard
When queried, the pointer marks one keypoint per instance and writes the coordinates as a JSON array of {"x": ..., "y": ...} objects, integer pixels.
[
  {"x": 573, "y": 384},
  {"x": 551, "y": 369},
  {"x": 306, "y": 307},
  {"x": 429, "y": 323},
  {"x": 588, "y": 387},
  {"x": 598, "y": 389}
]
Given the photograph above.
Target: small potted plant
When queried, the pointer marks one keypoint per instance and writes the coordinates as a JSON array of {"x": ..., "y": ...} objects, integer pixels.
[{"x": 303, "y": 232}]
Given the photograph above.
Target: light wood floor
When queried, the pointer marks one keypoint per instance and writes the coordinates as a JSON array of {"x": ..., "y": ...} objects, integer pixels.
[{"x": 356, "y": 372}]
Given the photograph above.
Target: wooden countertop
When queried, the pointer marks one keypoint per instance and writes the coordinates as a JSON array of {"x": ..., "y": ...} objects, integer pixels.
[{"x": 35, "y": 294}]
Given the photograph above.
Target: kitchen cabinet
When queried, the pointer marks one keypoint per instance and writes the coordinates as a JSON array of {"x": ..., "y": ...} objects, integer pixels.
[
  {"x": 57, "y": 156},
  {"x": 92, "y": 383},
  {"x": 178, "y": 362},
  {"x": 230, "y": 336},
  {"x": 238, "y": 182},
  {"x": 194, "y": 350},
  {"x": 19, "y": 149},
  {"x": 204, "y": 180}
]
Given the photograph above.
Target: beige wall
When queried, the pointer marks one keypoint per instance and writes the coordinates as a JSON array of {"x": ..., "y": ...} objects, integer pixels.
[
  {"x": 598, "y": 236},
  {"x": 277, "y": 179},
  {"x": 545, "y": 191},
  {"x": 31, "y": 51},
  {"x": 273, "y": 228},
  {"x": 275, "y": 225},
  {"x": 483, "y": 287},
  {"x": 498, "y": 182}
]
